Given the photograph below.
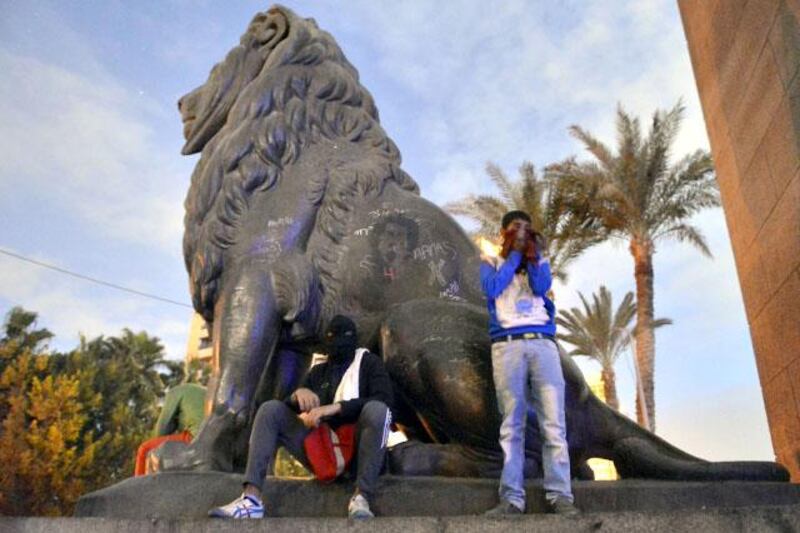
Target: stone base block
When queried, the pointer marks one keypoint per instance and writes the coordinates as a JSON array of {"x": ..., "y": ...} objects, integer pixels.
[
  {"x": 761, "y": 519},
  {"x": 187, "y": 495}
]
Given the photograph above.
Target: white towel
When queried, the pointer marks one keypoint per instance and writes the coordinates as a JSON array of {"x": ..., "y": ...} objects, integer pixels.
[
  {"x": 348, "y": 387},
  {"x": 348, "y": 390}
]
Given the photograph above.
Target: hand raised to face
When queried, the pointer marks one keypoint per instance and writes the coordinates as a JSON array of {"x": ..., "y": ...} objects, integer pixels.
[
  {"x": 531, "y": 252},
  {"x": 516, "y": 236}
]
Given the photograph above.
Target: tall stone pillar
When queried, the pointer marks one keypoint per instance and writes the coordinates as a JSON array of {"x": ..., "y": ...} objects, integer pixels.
[{"x": 745, "y": 55}]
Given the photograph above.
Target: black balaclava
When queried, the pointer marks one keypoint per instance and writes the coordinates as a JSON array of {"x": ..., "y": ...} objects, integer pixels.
[{"x": 340, "y": 339}]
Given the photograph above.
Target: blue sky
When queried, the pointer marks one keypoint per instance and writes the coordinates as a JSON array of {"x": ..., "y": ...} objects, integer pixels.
[{"x": 92, "y": 179}]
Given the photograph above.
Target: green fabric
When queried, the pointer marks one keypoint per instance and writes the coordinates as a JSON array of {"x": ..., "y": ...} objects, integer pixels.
[{"x": 184, "y": 409}]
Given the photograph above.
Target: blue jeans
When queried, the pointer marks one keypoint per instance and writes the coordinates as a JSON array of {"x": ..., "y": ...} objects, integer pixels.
[
  {"x": 277, "y": 425},
  {"x": 516, "y": 364}
]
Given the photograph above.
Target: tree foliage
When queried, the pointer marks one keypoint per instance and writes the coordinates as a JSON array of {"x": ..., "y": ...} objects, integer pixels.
[
  {"x": 567, "y": 232},
  {"x": 197, "y": 371},
  {"x": 638, "y": 194},
  {"x": 71, "y": 422},
  {"x": 45, "y": 452},
  {"x": 600, "y": 332}
]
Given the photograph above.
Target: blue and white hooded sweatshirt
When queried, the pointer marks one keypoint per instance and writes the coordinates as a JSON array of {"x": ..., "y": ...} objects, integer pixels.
[{"x": 517, "y": 303}]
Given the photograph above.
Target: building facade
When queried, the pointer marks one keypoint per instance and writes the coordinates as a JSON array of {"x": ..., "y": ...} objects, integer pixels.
[
  {"x": 199, "y": 345},
  {"x": 745, "y": 55}
]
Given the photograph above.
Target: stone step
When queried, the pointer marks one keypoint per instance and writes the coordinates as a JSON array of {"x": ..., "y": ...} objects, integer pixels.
[
  {"x": 784, "y": 518},
  {"x": 190, "y": 495}
]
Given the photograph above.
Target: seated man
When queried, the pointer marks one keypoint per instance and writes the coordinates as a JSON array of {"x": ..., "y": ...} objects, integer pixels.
[
  {"x": 352, "y": 386},
  {"x": 179, "y": 421}
]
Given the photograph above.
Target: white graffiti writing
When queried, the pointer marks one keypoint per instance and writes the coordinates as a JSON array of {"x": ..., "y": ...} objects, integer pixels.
[
  {"x": 437, "y": 276},
  {"x": 283, "y": 221},
  {"x": 383, "y": 212},
  {"x": 266, "y": 246},
  {"x": 451, "y": 292},
  {"x": 431, "y": 250}
]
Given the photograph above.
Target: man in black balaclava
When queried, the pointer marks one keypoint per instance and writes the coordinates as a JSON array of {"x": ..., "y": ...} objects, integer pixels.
[
  {"x": 340, "y": 343},
  {"x": 329, "y": 393}
]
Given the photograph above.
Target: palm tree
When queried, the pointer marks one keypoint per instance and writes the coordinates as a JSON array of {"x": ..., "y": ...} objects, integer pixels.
[
  {"x": 567, "y": 233},
  {"x": 131, "y": 373},
  {"x": 18, "y": 327},
  {"x": 638, "y": 196},
  {"x": 599, "y": 332},
  {"x": 154, "y": 372}
]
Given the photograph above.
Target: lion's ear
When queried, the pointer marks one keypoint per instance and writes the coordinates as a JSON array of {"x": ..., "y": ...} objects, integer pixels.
[{"x": 268, "y": 29}]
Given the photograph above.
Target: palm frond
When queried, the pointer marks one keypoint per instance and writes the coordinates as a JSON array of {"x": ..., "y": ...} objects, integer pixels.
[
  {"x": 688, "y": 234},
  {"x": 502, "y": 182},
  {"x": 660, "y": 322},
  {"x": 484, "y": 209},
  {"x": 596, "y": 329},
  {"x": 629, "y": 145},
  {"x": 595, "y": 147},
  {"x": 551, "y": 201},
  {"x": 640, "y": 194},
  {"x": 687, "y": 188}
]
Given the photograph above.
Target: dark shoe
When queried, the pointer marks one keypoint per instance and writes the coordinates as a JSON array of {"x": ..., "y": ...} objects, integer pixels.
[
  {"x": 504, "y": 508},
  {"x": 562, "y": 506}
]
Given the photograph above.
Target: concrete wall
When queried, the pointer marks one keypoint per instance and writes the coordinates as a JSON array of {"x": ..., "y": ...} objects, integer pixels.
[{"x": 746, "y": 55}]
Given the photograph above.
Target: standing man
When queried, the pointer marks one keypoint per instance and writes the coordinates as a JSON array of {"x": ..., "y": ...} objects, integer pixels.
[
  {"x": 526, "y": 364},
  {"x": 351, "y": 387}
]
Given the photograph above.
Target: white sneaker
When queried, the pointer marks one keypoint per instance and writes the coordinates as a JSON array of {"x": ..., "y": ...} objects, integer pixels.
[
  {"x": 359, "y": 508},
  {"x": 242, "y": 507}
]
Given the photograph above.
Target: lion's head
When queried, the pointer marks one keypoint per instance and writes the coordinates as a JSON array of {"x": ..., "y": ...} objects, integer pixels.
[
  {"x": 204, "y": 111},
  {"x": 284, "y": 87}
]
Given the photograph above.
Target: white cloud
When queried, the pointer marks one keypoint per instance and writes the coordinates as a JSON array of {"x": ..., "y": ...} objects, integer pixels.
[
  {"x": 69, "y": 307},
  {"x": 87, "y": 144},
  {"x": 505, "y": 86}
]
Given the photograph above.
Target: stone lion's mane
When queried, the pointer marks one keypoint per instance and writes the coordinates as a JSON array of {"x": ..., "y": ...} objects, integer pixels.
[{"x": 306, "y": 91}]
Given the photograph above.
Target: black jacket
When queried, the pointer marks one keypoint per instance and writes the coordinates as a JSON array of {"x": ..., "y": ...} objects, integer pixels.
[{"x": 373, "y": 384}]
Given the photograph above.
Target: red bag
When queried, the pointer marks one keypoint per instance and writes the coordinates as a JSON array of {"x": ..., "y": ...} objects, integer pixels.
[{"x": 329, "y": 451}]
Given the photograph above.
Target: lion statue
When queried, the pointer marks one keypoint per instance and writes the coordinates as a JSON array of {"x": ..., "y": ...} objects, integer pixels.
[{"x": 299, "y": 210}]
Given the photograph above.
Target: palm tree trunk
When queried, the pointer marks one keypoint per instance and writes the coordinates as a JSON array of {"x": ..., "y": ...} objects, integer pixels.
[
  {"x": 642, "y": 251},
  {"x": 610, "y": 387}
]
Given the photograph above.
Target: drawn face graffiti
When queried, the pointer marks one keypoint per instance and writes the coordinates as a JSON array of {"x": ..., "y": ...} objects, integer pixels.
[
  {"x": 394, "y": 241},
  {"x": 393, "y": 244}
]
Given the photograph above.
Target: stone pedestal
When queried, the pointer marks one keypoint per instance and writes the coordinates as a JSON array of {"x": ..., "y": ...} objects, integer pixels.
[{"x": 185, "y": 495}]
